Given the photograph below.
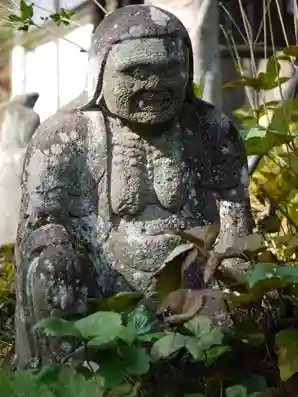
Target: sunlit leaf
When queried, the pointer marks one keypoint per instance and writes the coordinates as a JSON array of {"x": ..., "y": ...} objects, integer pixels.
[
  {"x": 119, "y": 302},
  {"x": 58, "y": 327},
  {"x": 168, "y": 345},
  {"x": 287, "y": 350},
  {"x": 100, "y": 324}
]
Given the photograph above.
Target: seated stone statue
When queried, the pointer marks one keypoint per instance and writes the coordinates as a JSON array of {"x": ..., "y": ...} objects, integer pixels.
[{"x": 104, "y": 187}]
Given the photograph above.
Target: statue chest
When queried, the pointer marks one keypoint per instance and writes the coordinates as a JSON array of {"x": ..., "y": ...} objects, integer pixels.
[{"x": 147, "y": 172}]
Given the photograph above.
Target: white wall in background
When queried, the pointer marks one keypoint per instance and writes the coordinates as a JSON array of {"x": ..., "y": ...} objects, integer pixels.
[{"x": 56, "y": 70}]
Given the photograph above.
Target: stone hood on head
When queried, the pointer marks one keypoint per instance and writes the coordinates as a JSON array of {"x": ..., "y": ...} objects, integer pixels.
[{"x": 130, "y": 22}]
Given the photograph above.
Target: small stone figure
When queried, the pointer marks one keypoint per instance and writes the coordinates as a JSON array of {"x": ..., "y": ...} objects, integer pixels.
[
  {"x": 18, "y": 121},
  {"x": 105, "y": 187}
]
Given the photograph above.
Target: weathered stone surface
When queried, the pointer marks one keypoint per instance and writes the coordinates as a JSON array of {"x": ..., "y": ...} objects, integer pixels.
[
  {"x": 104, "y": 187},
  {"x": 18, "y": 121}
]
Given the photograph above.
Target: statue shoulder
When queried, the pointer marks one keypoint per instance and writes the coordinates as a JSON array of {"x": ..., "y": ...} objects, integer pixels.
[
  {"x": 214, "y": 122},
  {"x": 61, "y": 129},
  {"x": 218, "y": 147}
]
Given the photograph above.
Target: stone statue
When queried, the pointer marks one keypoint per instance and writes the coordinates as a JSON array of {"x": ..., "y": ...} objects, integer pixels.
[
  {"x": 18, "y": 121},
  {"x": 105, "y": 186}
]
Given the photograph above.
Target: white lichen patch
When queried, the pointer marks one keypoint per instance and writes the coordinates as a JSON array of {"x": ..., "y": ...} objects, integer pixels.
[
  {"x": 64, "y": 137},
  {"x": 244, "y": 178},
  {"x": 56, "y": 149},
  {"x": 158, "y": 16}
]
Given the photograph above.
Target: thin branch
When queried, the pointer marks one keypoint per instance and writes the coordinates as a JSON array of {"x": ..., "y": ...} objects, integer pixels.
[
  {"x": 100, "y": 6},
  {"x": 233, "y": 21}
]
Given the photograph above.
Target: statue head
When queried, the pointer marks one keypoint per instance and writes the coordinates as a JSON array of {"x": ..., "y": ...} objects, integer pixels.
[{"x": 140, "y": 65}]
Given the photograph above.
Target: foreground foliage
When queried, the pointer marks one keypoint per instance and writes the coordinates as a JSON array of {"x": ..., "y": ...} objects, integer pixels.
[{"x": 125, "y": 349}]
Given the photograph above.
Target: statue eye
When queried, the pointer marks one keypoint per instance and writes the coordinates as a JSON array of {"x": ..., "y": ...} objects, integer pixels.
[{"x": 141, "y": 74}]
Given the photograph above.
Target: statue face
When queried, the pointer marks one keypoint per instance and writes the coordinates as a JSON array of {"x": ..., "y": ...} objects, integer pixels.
[{"x": 145, "y": 80}]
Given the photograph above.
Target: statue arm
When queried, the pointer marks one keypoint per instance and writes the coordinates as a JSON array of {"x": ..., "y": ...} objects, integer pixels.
[
  {"x": 232, "y": 190},
  {"x": 49, "y": 261}
]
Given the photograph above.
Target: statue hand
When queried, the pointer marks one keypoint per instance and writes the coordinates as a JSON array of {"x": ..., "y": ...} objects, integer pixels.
[{"x": 67, "y": 284}]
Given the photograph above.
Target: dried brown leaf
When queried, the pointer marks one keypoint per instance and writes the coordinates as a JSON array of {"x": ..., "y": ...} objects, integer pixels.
[
  {"x": 168, "y": 276},
  {"x": 245, "y": 245},
  {"x": 184, "y": 304},
  {"x": 202, "y": 236},
  {"x": 190, "y": 258}
]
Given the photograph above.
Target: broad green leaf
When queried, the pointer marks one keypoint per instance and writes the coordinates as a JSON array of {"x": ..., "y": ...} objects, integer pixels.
[
  {"x": 151, "y": 336},
  {"x": 255, "y": 384},
  {"x": 193, "y": 347},
  {"x": 259, "y": 140},
  {"x": 286, "y": 343},
  {"x": 58, "y": 327},
  {"x": 288, "y": 273},
  {"x": 136, "y": 361},
  {"x": 199, "y": 325},
  {"x": 26, "y": 9},
  {"x": 140, "y": 319},
  {"x": 260, "y": 272},
  {"x": 194, "y": 395},
  {"x": 214, "y": 353},
  {"x": 49, "y": 373},
  {"x": 71, "y": 384},
  {"x": 128, "y": 334},
  {"x": 236, "y": 391},
  {"x": 105, "y": 325},
  {"x": 112, "y": 370},
  {"x": 119, "y": 302},
  {"x": 168, "y": 345},
  {"x": 212, "y": 338},
  {"x": 22, "y": 384}
]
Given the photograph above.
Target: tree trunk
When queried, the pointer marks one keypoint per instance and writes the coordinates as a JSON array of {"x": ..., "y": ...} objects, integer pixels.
[{"x": 201, "y": 18}]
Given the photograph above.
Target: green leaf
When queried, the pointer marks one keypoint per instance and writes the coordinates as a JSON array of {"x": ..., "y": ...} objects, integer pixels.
[
  {"x": 168, "y": 345},
  {"x": 214, "y": 353},
  {"x": 198, "y": 88},
  {"x": 119, "y": 302},
  {"x": 22, "y": 384},
  {"x": 265, "y": 277},
  {"x": 272, "y": 70},
  {"x": 105, "y": 325},
  {"x": 26, "y": 10},
  {"x": 199, "y": 325},
  {"x": 136, "y": 361},
  {"x": 212, "y": 338},
  {"x": 291, "y": 50},
  {"x": 259, "y": 140},
  {"x": 255, "y": 384},
  {"x": 71, "y": 384},
  {"x": 140, "y": 319},
  {"x": 112, "y": 370},
  {"x": 194, "y": 395},
  {"x": 128, "y": 334},
  {"x": 49, "y": 373},
  {"x": 286, "y": 343},
  {"x": 236, "y": 391},
  {"x": 193, "y": 347},
  {"x": 259, "y": 273},
  {"x": 58, "y": 327},
  {"x": 151, "y": 336},
  {"x": 245, "y": 81},
  {"x": 62, "y": 17}
]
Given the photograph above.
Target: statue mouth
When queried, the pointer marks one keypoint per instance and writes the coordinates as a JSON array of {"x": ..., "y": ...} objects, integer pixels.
[{"x": 153, "y": 100}]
